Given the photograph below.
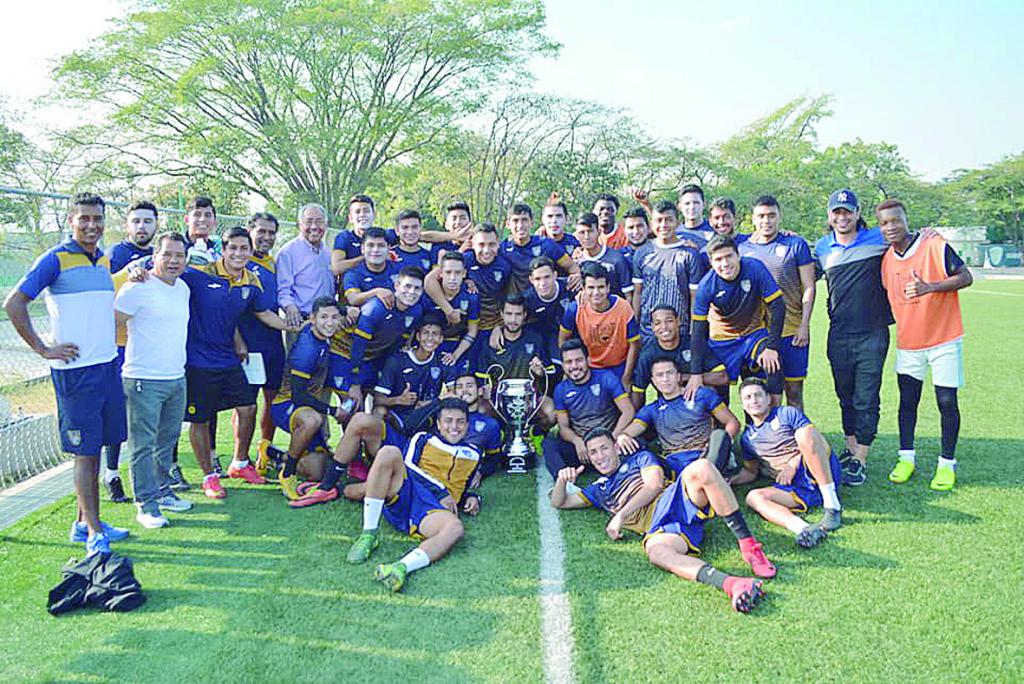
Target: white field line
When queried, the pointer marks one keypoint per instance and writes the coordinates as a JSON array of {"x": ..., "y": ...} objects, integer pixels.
[
  {"x": 1003, "y": 294},
  {"x": 555, "y": 613}
]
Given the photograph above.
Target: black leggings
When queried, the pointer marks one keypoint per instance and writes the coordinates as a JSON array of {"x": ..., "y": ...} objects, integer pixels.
[{"x": 949, "y": 414}]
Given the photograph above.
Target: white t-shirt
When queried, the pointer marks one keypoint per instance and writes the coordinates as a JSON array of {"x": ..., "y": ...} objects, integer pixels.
[{"x": 157, "y": 329}]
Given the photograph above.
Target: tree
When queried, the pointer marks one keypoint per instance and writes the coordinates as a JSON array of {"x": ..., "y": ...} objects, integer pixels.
[
  {"x": 993, "y": 195},
  {"x": 297, "y": 100}
]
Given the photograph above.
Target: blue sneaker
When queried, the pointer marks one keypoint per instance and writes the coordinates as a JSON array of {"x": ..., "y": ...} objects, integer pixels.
[
  {"x": 80, "y": 532},
  {"x": 97, "y": 543}
]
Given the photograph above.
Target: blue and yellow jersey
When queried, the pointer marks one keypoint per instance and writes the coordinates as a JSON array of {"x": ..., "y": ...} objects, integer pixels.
[
  {"x": 520, "y": 256},
  {"x": 652, "y": 351},
  {"x": 378, "y": 330},
  {"x": 681, "y": 425},
  {"x": 469, "y": 304},
  {"x": 425, "y": 378},
  {"x": 514, "y": 357},
  {"x": 307, "y": 359},
  {"x": 774, "y": 441},
  {"x": 216, "y": 306},
  {"x": 783, "y": 257},
  {"x": 484, "y": 433},
  {"x": 362, "y": 278},
  {"x": 612, "y": 492},
  {"x": 444, "y": 468},
  {"x": 258, "y": 336},
  {"x": 735, "y": 308},
  {"x": 619, "y": 268},
  {"x": 545, "y": 315},
  {"x": 80, "y": 301},
  {"x": 125, "y": 252},
  {"x": 421, "y": 257},
  {"x": 591, "y": 404},
  {"x": 492, "y": 281}
]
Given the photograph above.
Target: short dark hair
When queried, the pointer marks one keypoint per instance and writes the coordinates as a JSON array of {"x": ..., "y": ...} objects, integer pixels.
[
  {"x": 170, "y": 237},
  {"x": 263, "y": 216},
  {"x": 453, "y": 255},
  {"x": 515, "y": 299},
  {"x": 376, "y": 233},
  {"x": 541, "y": 262},
  {"x": 665, "y": 307},
  {"x": 666, "y": 207},
  {"x": 144, "y": 205},
  {"x": 606, "y": 196},
  {"x": 521, "y": 208},
  {"x": 465, "y": 372},
  {"x": 724, "y": 203},
  {"x": 753, "y": 381},
  {"x": 458, "y": 206},
  {"x": 766, "y": 201},
  {"x": 691, "y": 187},
  {"x": 323, "y": 303},
  {"x": 587, "y": 218},
  {"x": 666, "y": 358},
  {"x": 408, "y": 214},
  {"x": 574, "y": 343},
  {"x": 637, "y": 212},
  {"x": 486, "y": 227},
  {"x": 891, "y": 204},
  {"x": 361, "y": 199},
  {"x": 452, "y": 404},
  {"x": 432, "y": 318},
  {"x": 554, "y": 201},
  {"x": 86, "y": 199},
  {"x": 411, "y": 272},
  {"x": 597, "y": 433},
  {"x": 594, "y": 269},
  {"x": 200, "y": 202},
  {"x": 718, "y": 242},
  {"x": 236, "y": 231}
]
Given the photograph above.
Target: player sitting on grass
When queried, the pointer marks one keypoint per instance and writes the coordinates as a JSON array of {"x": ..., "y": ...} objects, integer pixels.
[
  {"x": 297, "y": 408},
  {"x": 805, "y": 468},
  {"x": 685, "y": 428},
  {"x": 670, "y": 518},
  {"x": 420, "y": 494}
]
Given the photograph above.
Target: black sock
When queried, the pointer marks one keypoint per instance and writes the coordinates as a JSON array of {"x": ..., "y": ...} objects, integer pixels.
[
  {"x": 712, "y": 577},
  {"x": 174, "y": 454},
  {"x": 112, "y": 456},
  {"x": 737, "y": 525},
  {"x": 910, "y": 397},
  {"x": 290, "y": 464},
  {"x": 949, "y": 419},
  {"x": 335, "y": 472}
]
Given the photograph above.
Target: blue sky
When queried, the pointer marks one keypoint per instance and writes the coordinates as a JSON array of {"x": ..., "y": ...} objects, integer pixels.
[{"x": 942, "y": 80}]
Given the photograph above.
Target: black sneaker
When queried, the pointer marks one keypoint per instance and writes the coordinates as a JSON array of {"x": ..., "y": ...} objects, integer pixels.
[
  {"x": 810, "y": 536},
  {"x": 854, "y": 473},
  {"x": 115, "y": 488},
  {"x": 845, "y": 457},
  {"x": 832, "y": 520},
  {"x": 178, "y": 482}
]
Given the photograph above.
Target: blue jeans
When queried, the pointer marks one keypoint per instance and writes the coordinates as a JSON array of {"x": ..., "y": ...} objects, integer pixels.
[{"x": 155, "y": 410}]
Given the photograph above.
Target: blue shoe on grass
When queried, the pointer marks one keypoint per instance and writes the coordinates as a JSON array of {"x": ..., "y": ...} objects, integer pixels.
[{"x": 80, "y": 532}]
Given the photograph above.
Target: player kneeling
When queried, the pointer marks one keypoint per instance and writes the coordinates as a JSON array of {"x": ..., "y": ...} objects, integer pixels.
[
  {"x": 297, "y": 408},
  {"x": 806, "y": 470},
  {"x": 671, "y": 518},
  {"x": 420, "y": 494}
]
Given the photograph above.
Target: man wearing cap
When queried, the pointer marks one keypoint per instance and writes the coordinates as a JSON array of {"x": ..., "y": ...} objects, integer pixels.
[{"x": 850, "y": 258}]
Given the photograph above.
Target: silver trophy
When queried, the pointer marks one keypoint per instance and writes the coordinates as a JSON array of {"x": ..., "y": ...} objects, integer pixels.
[{"x": 516, "y": 402}]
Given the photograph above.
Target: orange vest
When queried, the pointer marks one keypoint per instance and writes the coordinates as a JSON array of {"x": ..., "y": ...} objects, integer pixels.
[
  {"x": 605, "y": 334},
  {"x": 928, "y": 321},
  {"x": 616, "y": 239}
]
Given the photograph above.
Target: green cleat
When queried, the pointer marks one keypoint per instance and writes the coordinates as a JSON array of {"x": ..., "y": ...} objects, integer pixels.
[
  {"x": 945, "y": 478},
  {"x": 362, "y": 547},
  {"x": 902, "y": 472},
  {"x": 391, "y": 575}
]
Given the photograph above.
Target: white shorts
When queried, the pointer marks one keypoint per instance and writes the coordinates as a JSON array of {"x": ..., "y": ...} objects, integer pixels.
[{"x": 946, "y": 362}]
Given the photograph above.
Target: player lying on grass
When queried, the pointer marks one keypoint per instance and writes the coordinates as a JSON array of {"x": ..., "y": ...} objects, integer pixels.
[
  {"x": 670, "y": 518},
  {"x": 420, "y": 494},
  {"x": 297, "y": 407},
  {"x": 802, "y": 462}
]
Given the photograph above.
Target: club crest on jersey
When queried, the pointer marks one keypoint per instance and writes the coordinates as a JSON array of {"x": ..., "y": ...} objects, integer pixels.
[
  {"x": 529, "y": 347},
  {"x": 780, "y": 251},
  {"x": 775, "y": 423},
  {"x": 497, "y": 276},
  {"x": 245, "y": 293},
  {"x": 536, "y": 250},
  {"x": 464, "y": 305},
  {"x": 74, "y": 437},
  {"x": 686, "y": 355},
  {"x": 595, "y": 390},
  {"x": 479, "y": 425},
  {"x": 408, "y": 321},
  {"x": 745, "y": 285},
  {"x": 435, "y": 372}
]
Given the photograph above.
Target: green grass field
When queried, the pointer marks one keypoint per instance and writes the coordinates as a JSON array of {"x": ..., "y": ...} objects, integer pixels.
[{"x": 917, "y": 586}]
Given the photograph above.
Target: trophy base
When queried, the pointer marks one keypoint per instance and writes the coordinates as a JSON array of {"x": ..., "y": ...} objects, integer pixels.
[{"x": 517, "y": 458}]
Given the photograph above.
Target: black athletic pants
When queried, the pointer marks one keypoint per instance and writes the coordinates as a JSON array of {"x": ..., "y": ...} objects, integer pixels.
[{"x": 857, "y": 360}]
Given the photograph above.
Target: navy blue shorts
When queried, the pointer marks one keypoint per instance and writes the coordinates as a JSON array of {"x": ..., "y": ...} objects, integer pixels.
[
  {"x": 410, "y": 506},
  {"x": 282, "y": 412},
  {"x": 740, "y": 354},
  {"x": 804, "y": 488},
  {"x": 794, "y": 359},
  {"x": 674, "y": 513},
  {"x": 90, "y": 407},
  {"x": 273, "y": 363}
]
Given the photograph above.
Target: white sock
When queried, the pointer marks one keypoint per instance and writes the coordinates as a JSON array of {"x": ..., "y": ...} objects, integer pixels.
[
  {"x": 239, "y": 464},
  {"x": 371, "y": 513},
  {"x": 829, "y": 497},
  {"x": 907, "y": 455},
  {"x": 213, "y": 474},
  {"x": 797, "y": 525},
  {"x": 109, "y": 475},
  {"x": 415, "y": 560},
  {"x": 947, "y": 462}
]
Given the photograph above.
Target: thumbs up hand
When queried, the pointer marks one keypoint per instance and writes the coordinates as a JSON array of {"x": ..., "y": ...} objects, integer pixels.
[{"x": 916, "y": 287}]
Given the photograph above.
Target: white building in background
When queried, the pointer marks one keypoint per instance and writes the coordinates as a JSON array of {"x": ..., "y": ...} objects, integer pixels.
[{"x": 967, "y": 241}]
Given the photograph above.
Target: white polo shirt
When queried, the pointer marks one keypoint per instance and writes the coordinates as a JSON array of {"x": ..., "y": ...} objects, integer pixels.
[{"x": 157, "y": 329}]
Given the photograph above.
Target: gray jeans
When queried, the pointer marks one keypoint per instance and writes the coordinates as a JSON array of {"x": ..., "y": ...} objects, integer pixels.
[{"x": 155, "y": 410}]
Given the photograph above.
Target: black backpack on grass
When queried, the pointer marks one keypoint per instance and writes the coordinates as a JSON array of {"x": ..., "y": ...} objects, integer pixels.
[{"x": 103, "y": 580}]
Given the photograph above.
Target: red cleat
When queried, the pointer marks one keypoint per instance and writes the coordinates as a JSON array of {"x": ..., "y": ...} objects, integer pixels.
[
  {"x": 247, "y": 473},
  {"x": 314, "y": 497},
  {"x": 745, "y": 592},
  {"x": 212, "y": 487},
  {"x": 358, "y": 470},
  {"x": 752, "y": 554},
  {"x": 305, "y": 488}
]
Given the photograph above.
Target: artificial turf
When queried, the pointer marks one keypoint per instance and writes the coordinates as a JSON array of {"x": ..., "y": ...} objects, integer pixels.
[{"x": 916, "y": 586}]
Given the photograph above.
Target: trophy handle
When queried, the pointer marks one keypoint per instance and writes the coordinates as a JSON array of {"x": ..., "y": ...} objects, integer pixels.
[{"x": 542, "y": 395}]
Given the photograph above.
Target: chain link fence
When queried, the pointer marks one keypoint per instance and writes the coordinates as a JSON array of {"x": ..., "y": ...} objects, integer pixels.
[{"x": 31, "y": 222}]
